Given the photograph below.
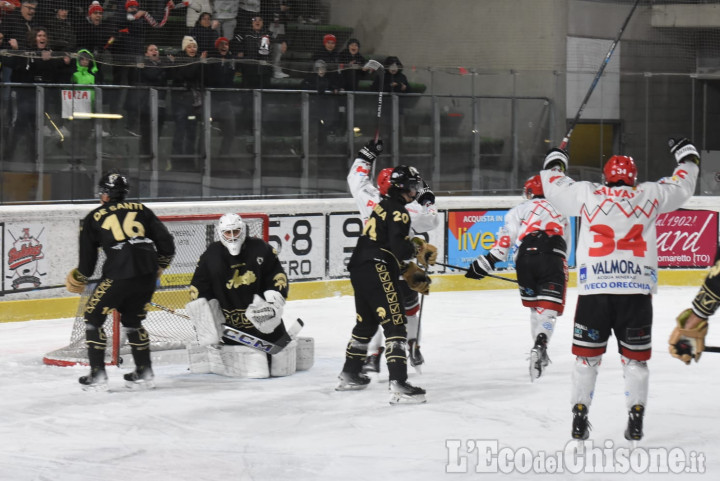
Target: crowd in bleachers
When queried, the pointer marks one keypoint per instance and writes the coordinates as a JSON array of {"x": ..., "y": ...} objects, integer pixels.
[{"x": 226, "y": 43}]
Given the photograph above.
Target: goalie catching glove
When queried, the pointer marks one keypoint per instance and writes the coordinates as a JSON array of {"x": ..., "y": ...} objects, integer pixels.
[
  {"x": 266, "y": 314},
  {"x": 417, "y": 279},
  {"x": 688, "y": 344},
  {"x": 426, "y": 253},
  {"x": 75, "y": 282},
  {"x": 481, "y": 267}
]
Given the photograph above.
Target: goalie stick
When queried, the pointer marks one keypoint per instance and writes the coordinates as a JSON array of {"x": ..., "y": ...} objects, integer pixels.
[
  {"x": 246, "y": 339},
  {"x": 465, "y": 269},
  {"x": 594, "y": 83}
]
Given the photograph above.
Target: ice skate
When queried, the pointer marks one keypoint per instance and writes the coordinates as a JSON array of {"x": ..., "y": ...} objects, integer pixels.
[
  {"x": 349, "y": 381},
  {"x": 580, "y": 425},
  {"x": 97, "y": 380},
  {"x": 634, "y": 431},
  {"x": 141, "y": 378},
  {"x": 402, "y": 392},
  {"x": 538, "y": 357},
  {"x": 372, "y": 361},
  {"x": 414, "y": 355}
]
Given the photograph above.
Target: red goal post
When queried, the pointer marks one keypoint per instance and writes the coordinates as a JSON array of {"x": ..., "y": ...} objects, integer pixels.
[{"x": 192, "y": 233}]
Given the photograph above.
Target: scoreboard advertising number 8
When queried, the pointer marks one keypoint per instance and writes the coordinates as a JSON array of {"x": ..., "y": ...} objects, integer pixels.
[{"x": 298, "y": 241}]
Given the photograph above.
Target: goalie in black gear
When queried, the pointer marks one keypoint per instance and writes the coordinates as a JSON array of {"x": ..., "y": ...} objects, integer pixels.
[
  {"x": 245, "y": 275},
  {"x": 137, "y": 246},
  {"x": 383, "y": 253},
  {"x": 238, "y": 290}
]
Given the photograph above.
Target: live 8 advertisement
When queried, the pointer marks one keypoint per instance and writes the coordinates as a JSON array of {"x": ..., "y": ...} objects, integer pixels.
[{"x": 471, "y": 233}]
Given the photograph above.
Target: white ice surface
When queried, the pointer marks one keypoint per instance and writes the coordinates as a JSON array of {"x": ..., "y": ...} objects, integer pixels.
[{"x": 207, "y": 427}]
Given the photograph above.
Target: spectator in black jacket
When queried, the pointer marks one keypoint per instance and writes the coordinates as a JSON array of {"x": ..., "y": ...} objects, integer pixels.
[
  {"x": 221, "y": 74},
  {"x": 187, "y": 103},
  {"x": 17, "y": 24},
  {"x": 256, "y": 44},
  {"x": 330, "y": 56},
  {"x": 153, "y": 73},
  {"x": 352, "y": 65},
  {"x": 393, "y": 80},
  {"x": 204, "y": 34}
]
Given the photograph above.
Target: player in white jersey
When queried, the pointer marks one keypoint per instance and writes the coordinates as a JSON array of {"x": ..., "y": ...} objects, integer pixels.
[
  {"x": 423, "y": 218},
  {"x": 539, "y": 237},
  {"x": 617, "y": 268}
]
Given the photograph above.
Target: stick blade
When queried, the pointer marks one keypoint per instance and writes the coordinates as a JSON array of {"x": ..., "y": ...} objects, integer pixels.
[{"x": 373, "y": 65}]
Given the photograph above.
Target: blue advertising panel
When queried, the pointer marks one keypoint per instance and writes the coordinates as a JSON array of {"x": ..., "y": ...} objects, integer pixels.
[{"x": 473, "y": 232}]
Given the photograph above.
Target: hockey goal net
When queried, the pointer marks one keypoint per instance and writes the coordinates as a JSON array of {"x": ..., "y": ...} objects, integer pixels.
[{"x": 167, "y": 324}]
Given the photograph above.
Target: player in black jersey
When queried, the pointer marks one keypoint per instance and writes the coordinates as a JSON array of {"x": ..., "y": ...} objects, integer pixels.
[
  {"x": 137, "y": 246},
  {"x": 383, "y": 253},
  {"x": 245, "y": 275}
]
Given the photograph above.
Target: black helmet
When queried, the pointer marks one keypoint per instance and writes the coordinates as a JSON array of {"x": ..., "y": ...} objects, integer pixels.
[
  {"x": 404, "y": 178},
  {"x": 114, "y": 184}
]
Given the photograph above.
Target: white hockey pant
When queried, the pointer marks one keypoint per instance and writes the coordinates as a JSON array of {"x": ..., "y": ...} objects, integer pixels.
[
  {"x": 637, "y": 377},
  {"x": 583, "y": 379},
  {"x": 542, "y": 321}
]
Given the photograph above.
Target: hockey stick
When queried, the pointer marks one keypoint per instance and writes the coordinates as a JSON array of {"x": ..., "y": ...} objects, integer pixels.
[
  {"x": 487, "y": 275},
  {"x": 171, "y": 311},
  {"x": 711, "y": 349},
  {"x": 594, "y": 83},
  {"x": 376, "y": 66}
]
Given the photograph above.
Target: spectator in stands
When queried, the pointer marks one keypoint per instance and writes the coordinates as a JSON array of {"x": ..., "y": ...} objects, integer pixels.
[
  {"x": 153, "y": 72},
  {"x": 86, "y": 73},
  {"x": 93, "y": 33},
  {"x": 187, "y": 103},
  {"x": 247, "y": 10},
  {"x": 61, "y": 32},
  {"x": 35, "y": 65},
  {"x": 18, "y": 23},
  {"x": 352, "y": 65},
  {"x": 393, "y": 79},
  {"x": 277, "y": 11},
  {"x": 257, "y": 69},
  {"x": 323, "y": 109},
  {"x": 330, "y": 56},
  {"x": 194, "y": 9},
  {"x": 204, "y": 34},
  {"x": 221, "y": 74},
  {"x": 225, "y": 14}
]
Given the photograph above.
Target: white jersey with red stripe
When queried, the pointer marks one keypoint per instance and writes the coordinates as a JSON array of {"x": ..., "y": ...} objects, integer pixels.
[
  {"x": 530, "y": 216},
  {"x": 617, "y": 245},
  {"x": 366, "y": 195}
]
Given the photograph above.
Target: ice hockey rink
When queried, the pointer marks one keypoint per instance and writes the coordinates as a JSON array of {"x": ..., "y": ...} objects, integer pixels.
[{"x": 483, "y": 413}]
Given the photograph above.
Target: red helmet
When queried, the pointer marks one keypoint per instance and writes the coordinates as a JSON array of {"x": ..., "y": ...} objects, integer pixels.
[
  {"x": 620, "y": 168},
  {"x": 533, "y": 187},
  {"x": 383, "y": 180}
]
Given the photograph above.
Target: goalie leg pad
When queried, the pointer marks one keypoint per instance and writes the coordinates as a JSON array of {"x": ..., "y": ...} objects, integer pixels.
[
  {"x": 198, "y": 359},
  {"x": 584, "y": 376},
  {"x": 284, "y": 363},
  {"x": 207, "y": 317},
  {"x": 239, "y": 361},
  {"x": 637, "y": 376},
  {"x": 305, "y": 353}
]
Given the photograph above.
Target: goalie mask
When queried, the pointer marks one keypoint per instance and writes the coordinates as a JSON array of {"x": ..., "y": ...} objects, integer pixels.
[
  {"x": 232, "y": 232},
  {"x": 115, "y": 185}
]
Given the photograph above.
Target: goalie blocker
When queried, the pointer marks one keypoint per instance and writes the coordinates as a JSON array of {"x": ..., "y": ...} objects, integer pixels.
[{"x": 254, "y": 357}]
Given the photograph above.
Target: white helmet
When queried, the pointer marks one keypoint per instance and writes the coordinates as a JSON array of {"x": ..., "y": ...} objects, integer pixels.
[{"x": 232, "y": 232}]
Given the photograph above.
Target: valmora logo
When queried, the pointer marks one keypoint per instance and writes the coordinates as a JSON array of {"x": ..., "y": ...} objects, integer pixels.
[{"x": 25, "y": 249}]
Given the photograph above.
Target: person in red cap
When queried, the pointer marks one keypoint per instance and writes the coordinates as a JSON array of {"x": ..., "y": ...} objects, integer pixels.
[{"x": 330, "y": 56}]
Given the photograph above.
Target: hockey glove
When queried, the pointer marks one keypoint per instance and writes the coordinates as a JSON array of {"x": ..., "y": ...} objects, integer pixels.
[
  {"x": 684, "y": 151},
  {"x": 556, "y": 158},
  {"x": 417, "y": 279},
  {"x": 481, "y": 267},
  {"x": 426, "y": 253},
  {"x": 75, "y": 282},
  {"x": 371, "y": 151},
  {"x": 688, "y": 344},
  {"x": 425, "y": 196}
]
